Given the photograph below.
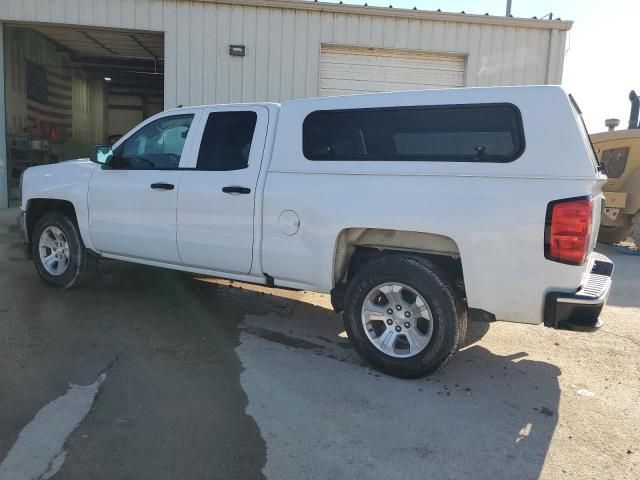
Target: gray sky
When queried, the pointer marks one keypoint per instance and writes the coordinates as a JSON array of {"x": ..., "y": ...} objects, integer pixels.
[{"x": 602, "y": 62}]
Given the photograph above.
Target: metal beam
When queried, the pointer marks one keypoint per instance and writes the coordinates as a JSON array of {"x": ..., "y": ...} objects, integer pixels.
[
  {"x": 99, "y": 43},
  {"x": 4, "y": 163},
  {"x": 124, "y": 63},
  {"x": 134, "y": 90},
  {"x": 144, "y": 47}
]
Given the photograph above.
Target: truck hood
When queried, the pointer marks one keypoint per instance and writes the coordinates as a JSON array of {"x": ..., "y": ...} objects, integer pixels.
[
  {"x": 67, "y": 180},
  {"x": 68, "y": 166}
]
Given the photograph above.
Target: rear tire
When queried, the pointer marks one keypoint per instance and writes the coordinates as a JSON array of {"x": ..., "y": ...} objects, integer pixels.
[
  {"x": 612, "y": 235},
  {"x": 635, "y": 229},
  {"x": 59, "y": 255},
  {"x": 400, "y": 302}
]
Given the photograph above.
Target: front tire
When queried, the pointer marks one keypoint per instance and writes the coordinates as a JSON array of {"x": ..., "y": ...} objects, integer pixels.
[
  {"x": 59, "y": 255},
  {"x": 403, "y": 316}
]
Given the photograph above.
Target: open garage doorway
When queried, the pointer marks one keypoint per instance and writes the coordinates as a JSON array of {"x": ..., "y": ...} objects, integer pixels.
[{"x": 68, "y": 88}]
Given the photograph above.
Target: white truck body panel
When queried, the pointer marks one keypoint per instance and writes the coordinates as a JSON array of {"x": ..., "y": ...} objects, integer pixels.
[{"x": 493, "y": 212}]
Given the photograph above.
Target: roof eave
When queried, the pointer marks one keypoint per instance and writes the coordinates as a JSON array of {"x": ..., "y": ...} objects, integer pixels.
[{"x": 403, "y": 13}]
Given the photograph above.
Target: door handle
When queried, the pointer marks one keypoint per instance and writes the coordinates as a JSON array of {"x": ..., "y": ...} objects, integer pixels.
[
  {"x": 236, "y": 189},
  {"x": 162, "y": 186}
]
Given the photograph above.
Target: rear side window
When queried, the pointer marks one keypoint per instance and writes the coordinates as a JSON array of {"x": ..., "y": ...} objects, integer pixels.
[
  {"x": 456, "y": 133},
  {"x": 226, "y": 141}
]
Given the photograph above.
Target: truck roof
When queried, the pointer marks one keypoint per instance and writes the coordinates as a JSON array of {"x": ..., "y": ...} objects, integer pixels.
[{"x": 470, "y": 92}]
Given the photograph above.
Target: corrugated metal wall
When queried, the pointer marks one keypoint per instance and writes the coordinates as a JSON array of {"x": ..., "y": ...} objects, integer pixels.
[{"x": 283, "y": 44}]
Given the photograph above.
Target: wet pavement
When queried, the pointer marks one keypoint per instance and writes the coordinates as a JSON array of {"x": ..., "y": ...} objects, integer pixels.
[{"x": 171, "y": 405}]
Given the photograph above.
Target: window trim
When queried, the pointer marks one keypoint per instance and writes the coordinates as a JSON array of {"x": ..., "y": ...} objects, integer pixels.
[{"x": 519, "y": 140}]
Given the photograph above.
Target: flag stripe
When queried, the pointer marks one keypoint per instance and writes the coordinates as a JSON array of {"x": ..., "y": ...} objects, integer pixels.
[
  {"x": 59, "y": 86},
  {"x": 59, "y": 76},
  {"x": 60, "y": 96},
  {"x": 49, "y": 113}
]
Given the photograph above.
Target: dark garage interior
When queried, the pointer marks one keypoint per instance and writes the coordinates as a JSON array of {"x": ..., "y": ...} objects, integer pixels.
[{"x": 68, "y": 88}]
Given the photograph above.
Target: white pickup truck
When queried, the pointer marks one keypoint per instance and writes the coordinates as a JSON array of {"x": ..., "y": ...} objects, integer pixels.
[{"x": 414, "y": 210}]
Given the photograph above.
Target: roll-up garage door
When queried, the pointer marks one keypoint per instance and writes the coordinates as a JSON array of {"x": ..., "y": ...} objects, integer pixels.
[{"x": 348, "y": 70}]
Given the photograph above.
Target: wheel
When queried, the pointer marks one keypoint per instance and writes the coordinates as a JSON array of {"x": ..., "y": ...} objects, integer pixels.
[
  {"x": 635, "y": 229},
  {"x": 612, "y": 235},
  {"x": 60, "y": 257},
  {"x": 403, "y": 316}
]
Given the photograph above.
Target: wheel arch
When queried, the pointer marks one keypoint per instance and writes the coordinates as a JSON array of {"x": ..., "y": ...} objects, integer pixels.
[
  {"x": 38, "y": 207},
  {"x": 356, "y": 247}
]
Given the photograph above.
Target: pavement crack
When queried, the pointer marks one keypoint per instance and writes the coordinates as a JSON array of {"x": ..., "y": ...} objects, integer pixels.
[{"x": 111, "y": 364}]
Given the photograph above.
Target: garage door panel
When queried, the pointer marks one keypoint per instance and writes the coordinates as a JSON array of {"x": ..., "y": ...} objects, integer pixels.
[
  {"x": 380, "y": 86},
  {"x": 348, "y": 70},
  {"x": 397, "y": 75},
  {"x": 420, "y": 63}
]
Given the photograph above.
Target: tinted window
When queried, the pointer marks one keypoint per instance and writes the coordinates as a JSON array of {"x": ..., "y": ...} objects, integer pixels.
[
  {"x": 156, "y": 146},
  {"x": 226, "y": 141},
  {"x": 457, "y": 133}
]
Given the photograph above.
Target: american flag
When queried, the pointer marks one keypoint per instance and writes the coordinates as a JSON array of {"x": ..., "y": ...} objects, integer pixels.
[{"x": 48, "y": 103}]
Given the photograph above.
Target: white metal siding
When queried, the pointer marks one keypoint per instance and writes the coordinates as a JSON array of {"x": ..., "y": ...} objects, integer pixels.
[
  {"x": 283, "y": 44},
  {"x": 347, "y": 70}
]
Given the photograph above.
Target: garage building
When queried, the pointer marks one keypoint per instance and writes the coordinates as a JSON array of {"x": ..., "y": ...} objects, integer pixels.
[{"x": 74, "y": 73}]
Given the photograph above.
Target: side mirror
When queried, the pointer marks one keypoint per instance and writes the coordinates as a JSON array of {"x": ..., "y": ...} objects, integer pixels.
[{"x": 101, "y": 154}]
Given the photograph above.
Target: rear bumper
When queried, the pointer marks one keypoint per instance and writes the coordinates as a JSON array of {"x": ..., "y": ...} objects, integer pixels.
[{"x": 580, "y": 310}]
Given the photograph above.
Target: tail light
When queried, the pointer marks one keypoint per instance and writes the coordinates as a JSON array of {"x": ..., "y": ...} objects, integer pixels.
[{"x": 568, "y": 230}]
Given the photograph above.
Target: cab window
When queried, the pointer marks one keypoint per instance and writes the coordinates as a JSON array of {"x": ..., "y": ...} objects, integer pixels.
[
  {"x": 226, "y": 141},
  {"x": 158, "y": 145}
]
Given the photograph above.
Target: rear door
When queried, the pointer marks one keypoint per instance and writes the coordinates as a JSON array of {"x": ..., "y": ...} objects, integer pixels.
[{"x": 216, "y": 197}]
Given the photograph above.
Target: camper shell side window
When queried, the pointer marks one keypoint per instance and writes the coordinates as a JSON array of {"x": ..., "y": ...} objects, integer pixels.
[{"x": 443, "y": 133}]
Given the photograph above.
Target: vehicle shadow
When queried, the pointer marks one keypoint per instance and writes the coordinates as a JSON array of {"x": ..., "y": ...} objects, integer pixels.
[
  {"x": 485, "y": 415},
  {"x": 475, "y": 332}
]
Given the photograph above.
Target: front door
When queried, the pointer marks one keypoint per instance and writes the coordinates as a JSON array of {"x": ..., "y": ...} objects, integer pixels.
[
  {"x": 217, "y": 195},
  {"x": 132, "y": 200}
]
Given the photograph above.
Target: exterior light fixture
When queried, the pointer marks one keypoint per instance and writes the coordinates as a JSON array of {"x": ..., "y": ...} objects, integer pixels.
[
  {"x": 107, "y": 79},
  {"x": 237, "y": 50}
]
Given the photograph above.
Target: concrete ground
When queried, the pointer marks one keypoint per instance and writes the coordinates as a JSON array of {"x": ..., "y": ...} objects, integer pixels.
[{"x": 152, "y": 374}]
